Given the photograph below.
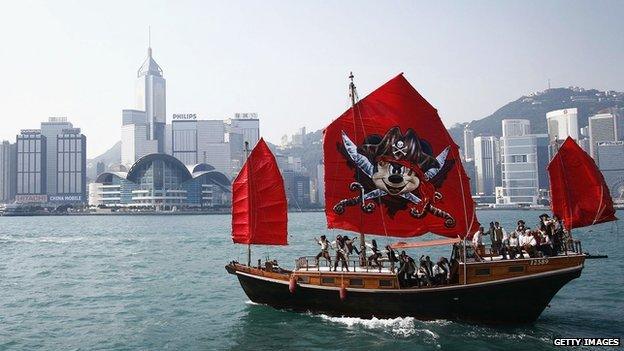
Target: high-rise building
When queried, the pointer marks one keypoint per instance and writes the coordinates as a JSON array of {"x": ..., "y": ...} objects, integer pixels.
[
  {"x": 561, "y": 125},
  {"x": 542, "y": 161},
  {"x": 516, "y": 127},
  {"x": 151, "y": 98},
  {"x": 468, "y": 144},
  {"x": 520, "y": 178},
  {"x": 8, "y": 160},
  {"x": 244, "y": 127},
  {"x": 485, "y": 158},
  {"x": 135, "y": 142},
  {"x": 143, "y": 129},
  {"x": 71, "y": 160},
  {"x": 51, "y": 129},
  {"x": 31, "y": 166},
  {"x": 608, "y": 126},
  {"x": 297, "y": 186},
  {"x": 611, "y": 163},
  {"x": 100, "y": 168},
  {"x": 320, "y": 183},
  {"x": 184, "y": 140},
  {"x": 200, "y": 141}
]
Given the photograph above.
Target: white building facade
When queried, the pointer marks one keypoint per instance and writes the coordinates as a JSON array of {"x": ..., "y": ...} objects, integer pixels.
[
  {"x": 519, "y": 163},
  {"x": 485, "y": 158}
]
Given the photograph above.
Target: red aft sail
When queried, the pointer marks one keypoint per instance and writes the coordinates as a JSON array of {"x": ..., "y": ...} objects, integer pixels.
[
  {"x": 259, "y": 208},
  {"x": 391, "y": 168},
  {"x": 578, "y": 192}
]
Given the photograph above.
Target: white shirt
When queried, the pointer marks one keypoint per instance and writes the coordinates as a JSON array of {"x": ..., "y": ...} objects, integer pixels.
[
  {"x": 513, "y": 242},
  {"x": 437, "y": 270},
  {"x": 528, "y": 240},
  {"x": 323, "y": 244},
  {"x": 477, "y": 238}
]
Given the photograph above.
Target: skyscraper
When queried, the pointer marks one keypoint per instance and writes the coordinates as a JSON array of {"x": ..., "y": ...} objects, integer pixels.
[
  {"x": 8, "y": 159},
  {"x": 516, "y": 127},
  {"x": 561, "y": 125},
  {"x": 468, "y": 143},
  {"x": 607, "y": 126},
  {"x": 135, "y": 142},
  {"x": 71, "y": 160},
  {"x": 151, "y": 98},
  {"x": 51, "y": 129},
  {"x": 520, "y": 178},
  {"x": 31, "y": 166},
  {"x": 244, "y": 127},
  {"x": 143, "y": 128},
  {"x": 485, "y": 164},
  {"x": 611, "y": 163}
]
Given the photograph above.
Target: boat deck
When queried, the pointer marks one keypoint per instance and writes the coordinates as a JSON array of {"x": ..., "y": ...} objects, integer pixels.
[{"x": 365, "y": 270}]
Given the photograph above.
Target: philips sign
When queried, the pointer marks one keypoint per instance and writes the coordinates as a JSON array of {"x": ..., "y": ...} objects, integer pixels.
[{"x": 184, "y": 116}]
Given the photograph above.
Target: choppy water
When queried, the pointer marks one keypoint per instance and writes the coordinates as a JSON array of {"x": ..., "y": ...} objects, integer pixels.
[{"x": 151, "y": 283}]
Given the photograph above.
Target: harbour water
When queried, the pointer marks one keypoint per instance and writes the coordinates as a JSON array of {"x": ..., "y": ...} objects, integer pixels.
[{"x": 158, "y": 283}]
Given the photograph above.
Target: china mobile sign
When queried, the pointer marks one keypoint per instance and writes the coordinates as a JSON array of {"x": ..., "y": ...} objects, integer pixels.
[{"x": 66, "y": 198}]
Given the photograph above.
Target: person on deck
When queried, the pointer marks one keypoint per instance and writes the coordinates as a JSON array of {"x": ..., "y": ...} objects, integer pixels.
[
  {"x": 498, "y": 233},
  {"x": 490, "y": 232},
  {"x": 477, "y": 243},
  {"x": 350, "y": 247},
  {"x": 514, "y": 246},
  {"x": 324, "y": 243},
  {"x": 529, "y": 243},
  {"x": 392, "y": 257},
  {"x": 341, "y": 253},
  {"x": 557, "y": 237},
  {"x": 374, "y": 258},
  {"x": 407, "y": 268},
  {"x": 440, "y": 272}
]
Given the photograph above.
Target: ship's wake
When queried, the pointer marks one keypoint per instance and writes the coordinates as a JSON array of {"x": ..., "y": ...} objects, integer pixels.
[{"x": 398, "y": 327}]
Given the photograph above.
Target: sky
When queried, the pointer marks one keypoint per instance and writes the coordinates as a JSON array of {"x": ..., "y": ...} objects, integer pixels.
[{"x": 289, "y": 60}]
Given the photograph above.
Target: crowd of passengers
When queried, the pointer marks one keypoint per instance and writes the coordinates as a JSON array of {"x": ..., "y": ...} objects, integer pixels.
[
  {"x": 425, "y": 273},
  {"x": 548, "y": 239}
]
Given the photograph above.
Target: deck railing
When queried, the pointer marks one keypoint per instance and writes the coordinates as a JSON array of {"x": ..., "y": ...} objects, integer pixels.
[{"x": 310, "y": 263}]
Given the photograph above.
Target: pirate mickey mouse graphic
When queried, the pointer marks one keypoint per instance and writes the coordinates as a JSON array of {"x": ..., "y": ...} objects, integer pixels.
[{"x": 399, "y": 171}]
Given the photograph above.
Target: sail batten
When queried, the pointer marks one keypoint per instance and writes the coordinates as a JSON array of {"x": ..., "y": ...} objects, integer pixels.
[
  {"x": 579, "y": 194},
  {"x": 259, "y": 207},
  {"x": 392, "y": 169}
]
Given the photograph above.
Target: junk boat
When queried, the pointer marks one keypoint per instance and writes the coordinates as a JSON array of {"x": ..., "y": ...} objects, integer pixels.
[{"x": 392, "y": 169}]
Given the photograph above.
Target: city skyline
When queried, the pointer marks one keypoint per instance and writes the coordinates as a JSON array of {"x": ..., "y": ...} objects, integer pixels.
[{"x": 280, "y": 62}]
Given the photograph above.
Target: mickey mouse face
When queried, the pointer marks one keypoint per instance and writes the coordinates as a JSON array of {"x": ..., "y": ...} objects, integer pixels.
[{"x": 394, "y": 178}]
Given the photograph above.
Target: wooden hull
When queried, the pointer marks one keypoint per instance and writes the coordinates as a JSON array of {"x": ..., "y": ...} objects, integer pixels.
[{"x": 505, "y": 301}]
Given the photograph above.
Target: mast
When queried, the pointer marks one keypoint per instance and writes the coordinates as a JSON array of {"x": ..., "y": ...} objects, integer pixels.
[
  {"x": 248, "y": 245},
  {"x": 354, "y": 100}
]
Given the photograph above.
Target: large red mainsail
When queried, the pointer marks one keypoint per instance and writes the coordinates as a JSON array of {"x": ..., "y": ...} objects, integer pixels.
[
  {"x": 578, "y": 192},
  {"x": 259, "y": 208},
  {"x": 391, "y": 168}
]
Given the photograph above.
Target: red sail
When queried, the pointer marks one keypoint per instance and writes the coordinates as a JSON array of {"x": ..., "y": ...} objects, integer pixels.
[
  {"x": 578, "y": 192},
  {"x": 391, "y": 168},
  {"x": 259, "y": 208}
]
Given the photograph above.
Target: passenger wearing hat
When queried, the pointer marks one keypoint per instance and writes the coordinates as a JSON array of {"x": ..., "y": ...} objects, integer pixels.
[{"x": 324, "y": 243}]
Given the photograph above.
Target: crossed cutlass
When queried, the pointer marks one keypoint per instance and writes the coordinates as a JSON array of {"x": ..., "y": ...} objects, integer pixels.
[{"x": 363, "y": 163}]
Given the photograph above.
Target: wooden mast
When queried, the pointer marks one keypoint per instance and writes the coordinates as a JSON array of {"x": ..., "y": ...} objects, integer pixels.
[
  {"x": 249, "y": 175},
  {"x": 354, "y": 100}
]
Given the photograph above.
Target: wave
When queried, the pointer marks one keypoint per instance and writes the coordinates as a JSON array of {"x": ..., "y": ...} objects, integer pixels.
[
  {"x": 400, "y": 327},
  {"x": 42, "y": 239}
]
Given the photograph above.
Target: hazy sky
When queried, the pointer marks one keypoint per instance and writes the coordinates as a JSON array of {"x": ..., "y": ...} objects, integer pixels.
[{"x": 289, "y": 60}]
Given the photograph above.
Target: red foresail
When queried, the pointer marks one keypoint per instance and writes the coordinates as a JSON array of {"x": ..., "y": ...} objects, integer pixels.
[
  {"x": 578, "y": 192},
  {"x": 259, "y": 209},
  {"x": 391, "y": 168}
]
